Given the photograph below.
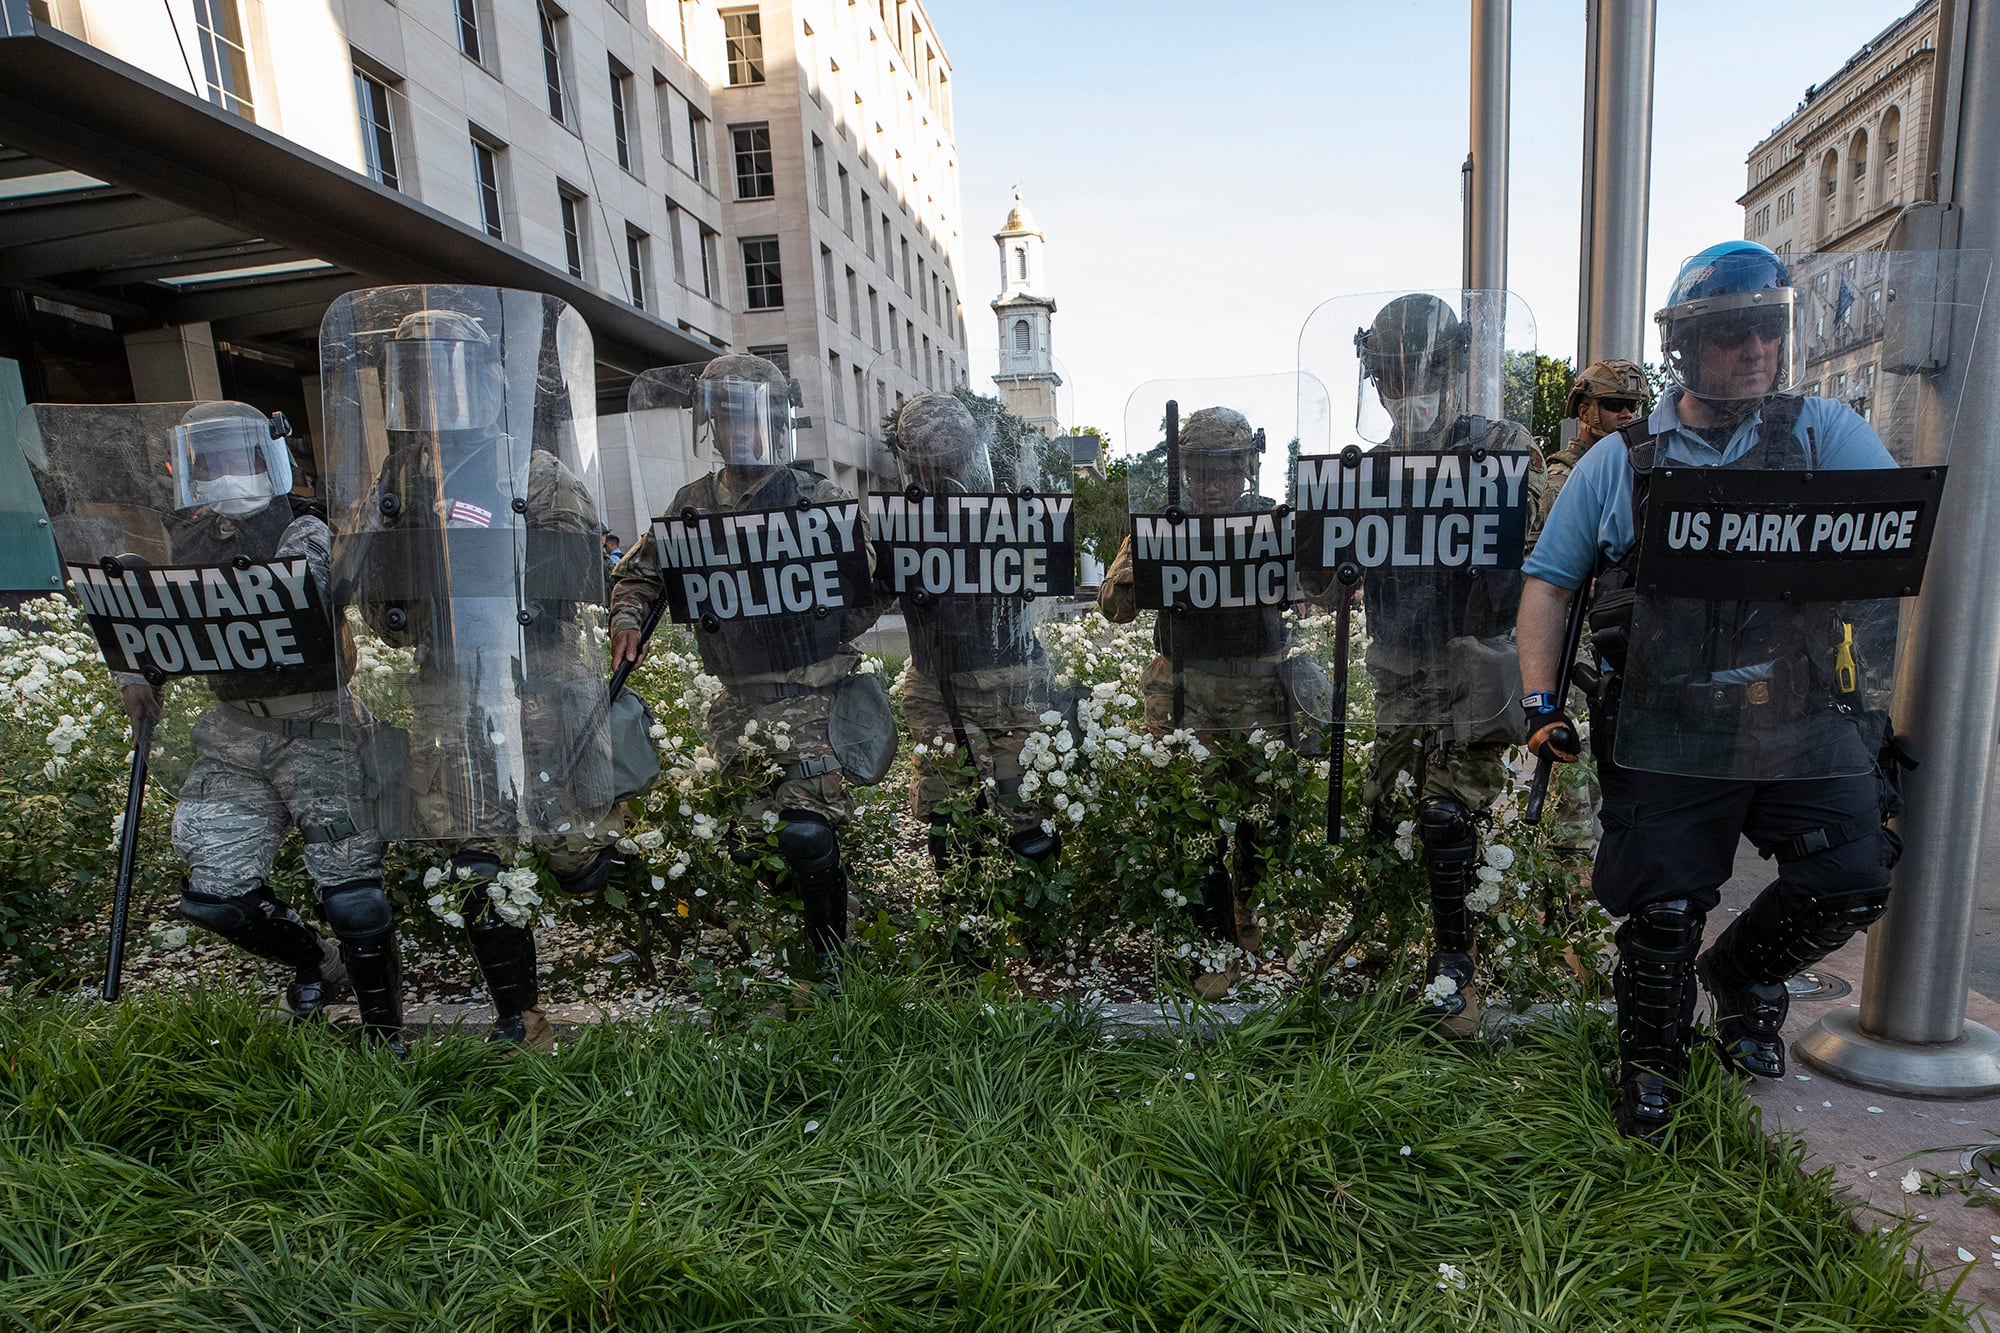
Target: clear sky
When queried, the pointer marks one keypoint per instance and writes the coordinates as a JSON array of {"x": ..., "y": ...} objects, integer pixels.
[{"x": 1207, "y": 173}]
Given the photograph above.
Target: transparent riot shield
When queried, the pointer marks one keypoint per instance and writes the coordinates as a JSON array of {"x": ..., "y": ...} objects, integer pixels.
[
  {"x": 766, "y": 555},
  {"x": 182, "y": 543},
  {"x": 1209, "y": 556},
  {"x": 1418, "y": 495},
  {"x": 1802, "y": 514},
  {"x": 461, "y": 454},
  {"x": 976, "y": 548}
]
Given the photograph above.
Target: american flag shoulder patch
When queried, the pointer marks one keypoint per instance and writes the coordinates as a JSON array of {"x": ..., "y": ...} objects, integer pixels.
[{"x": 471, "y": 514}]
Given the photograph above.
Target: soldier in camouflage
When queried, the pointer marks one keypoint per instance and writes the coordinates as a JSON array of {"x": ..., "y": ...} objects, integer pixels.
[
  {"x": 445, "y": 471},
  {"x": 273, "y": 754},
  {"x": 977, "y": 675},
  {"x": 1414, "y": 354},
  {"x": 779, "y": 674},
  {"x": 1216, "y": 671}
]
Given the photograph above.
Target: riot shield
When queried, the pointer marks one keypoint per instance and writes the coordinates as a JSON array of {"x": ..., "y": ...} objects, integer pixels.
[
  {"x": 1209, "y": 555},
  {"x": 763, "y": 555},
  {"x": 461, "y": 453},
  {"x": 1802, "y": 514},
  {"x": 180, "y": 539},
  {"x": 1418, "y": 495},
  {"x": 976, "y": 548}
]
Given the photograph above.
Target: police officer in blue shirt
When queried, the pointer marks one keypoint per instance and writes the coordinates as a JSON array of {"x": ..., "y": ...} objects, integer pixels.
[{"x": 1670, "y": 836}]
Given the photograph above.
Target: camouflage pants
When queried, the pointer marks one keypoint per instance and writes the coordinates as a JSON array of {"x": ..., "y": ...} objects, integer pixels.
[
  {"x": 1237, "y": 695},
  {"x": 998, "y": 709},
  {"x": 808, "y": 776},
  {"x": 250, "y": 784},
  {"x": 1474, "y": 775}
]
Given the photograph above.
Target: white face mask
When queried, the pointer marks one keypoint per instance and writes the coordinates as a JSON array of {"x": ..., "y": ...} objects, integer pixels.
[
  {"x": 234, "y": 495},
  {"x": 1416, "y": 415}
]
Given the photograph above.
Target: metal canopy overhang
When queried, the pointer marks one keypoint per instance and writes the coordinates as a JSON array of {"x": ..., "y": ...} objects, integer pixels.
[{"x": 192, "y": 189}]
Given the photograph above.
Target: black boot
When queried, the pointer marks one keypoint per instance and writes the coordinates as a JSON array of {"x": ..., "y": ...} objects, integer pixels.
[
  {"x": 812, "y": 851},
  {"x": 360, "y": 917},
  {"x": 1450, "y": 851},
  {"x": 258, "y": 923},
  {"x": 1654, "y": 985},
  {"x": 1777, "y": 937}
]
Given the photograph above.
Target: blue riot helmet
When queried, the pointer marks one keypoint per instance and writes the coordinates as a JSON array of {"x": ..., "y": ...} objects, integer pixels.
[{"x": 1728, "y": 332}]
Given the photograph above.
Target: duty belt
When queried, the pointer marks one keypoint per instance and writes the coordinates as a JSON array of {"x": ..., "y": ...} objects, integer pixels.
[{"x": 283, "y": 716}]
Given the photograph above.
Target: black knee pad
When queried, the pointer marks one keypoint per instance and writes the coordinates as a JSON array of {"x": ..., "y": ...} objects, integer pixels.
[
  {"x": 228, "y": 915},
  {"x": 1444, "y": 825},
  {"x": 807, "y": 842},
  {"x": 1036, "y": 846},
  {"x": 592, "y": 877},
  {"x": 1666, "y": 931},
  {"x": 483, "y": 865},
  {"x": 356, "y": 910}
]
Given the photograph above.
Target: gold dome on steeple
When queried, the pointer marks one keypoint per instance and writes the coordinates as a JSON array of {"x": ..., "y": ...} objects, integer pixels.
[{"x": 1020, "y": 220}]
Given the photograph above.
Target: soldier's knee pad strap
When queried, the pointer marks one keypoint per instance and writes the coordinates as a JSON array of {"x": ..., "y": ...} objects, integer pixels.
[
  {"x": 357, "y": 909},
  {"x": 807, "y": 841},
  {"x": 227, "y": 916},
  {"x": 1445, "y": 825}
]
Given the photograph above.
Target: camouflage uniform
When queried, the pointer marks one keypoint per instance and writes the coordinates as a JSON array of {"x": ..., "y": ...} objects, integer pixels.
[
  {"x": 273, "y": 754},
  {"x": 754, "y": 688}
]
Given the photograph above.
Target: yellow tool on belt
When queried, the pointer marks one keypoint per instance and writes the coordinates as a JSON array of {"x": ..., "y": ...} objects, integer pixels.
[{"x": 1846, "y": 678}]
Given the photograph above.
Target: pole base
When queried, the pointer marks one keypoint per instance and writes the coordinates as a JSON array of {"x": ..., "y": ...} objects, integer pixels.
[{"x": 1967, "y": 1067}]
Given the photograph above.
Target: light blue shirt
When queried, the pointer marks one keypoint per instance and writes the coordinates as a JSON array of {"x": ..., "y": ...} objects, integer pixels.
[{"x": 1593, "y": 515}]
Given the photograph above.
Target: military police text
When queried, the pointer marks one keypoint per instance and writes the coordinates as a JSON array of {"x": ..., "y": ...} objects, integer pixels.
[
  {"x": 946, "y": 544},
  {"x": 1214, "y": 560},
  {"x": 199, "y": 619},
  {"x": 760, "y": 562},
  {"x": 1448, "y": 508}
]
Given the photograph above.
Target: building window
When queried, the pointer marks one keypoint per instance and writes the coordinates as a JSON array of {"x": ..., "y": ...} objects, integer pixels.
[
  {"x": 225, "y": 65},
  {"x": 697, "y": 144},
  {"x": 777, "y": 354},
  {"x": 906, "y": 265},
  {"x": 743, "y": 32},
  {"x": 888, "y": 250},
  {"x": 663, "y": 102},
  {"x": 378, "y": 130},
  {"x": 763, "y": 278},
  {"x": 827, "y": 275},
  {"x": 853, "y": 303},
  {"x": 678, "y": 246},
  {"x": 1021, "y": 262},
  {"x": 923, "y": 291},
  {"x": 860, "y": 395},
  {"x": 621, "y": 137},
  {"x": 486, "y": 171},
  {"x": 874, "y": 320},
  {"x": 1023, "y": 340},
  {"x": 751, "y": 145},
  {"x": 552, "y": 60},
  {"x": 836, "y": 388},
  {"x": 709, "y": 279},
  {"x": 468, "y": 27},
  {"x": 572, "y": 225},
  {"x": 867, "y": 234},
  {"x": 819, "y": 175},
  {"x": 846, "y": 204},
  {"x": 635, "y": 265}
]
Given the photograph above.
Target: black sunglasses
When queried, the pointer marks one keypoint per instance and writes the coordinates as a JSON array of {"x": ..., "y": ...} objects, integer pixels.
[
  {"x": 1734, "y": 331},
  {"x": 1617, "y": 404}
]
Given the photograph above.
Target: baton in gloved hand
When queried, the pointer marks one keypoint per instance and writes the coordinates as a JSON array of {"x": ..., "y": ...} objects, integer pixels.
[{"x": 1538, "y": 790}]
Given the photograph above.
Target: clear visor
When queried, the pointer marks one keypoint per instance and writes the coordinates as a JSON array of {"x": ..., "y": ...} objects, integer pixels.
[
  {"x": 439, "y": 385},
  {"x": 231, "y": 457},
  {"x": 1737, "y": 347},
  {"x": 1215, "y": 482},
  {"x": 742, "y": 423},
  {"x": 1403, "y": 398}
]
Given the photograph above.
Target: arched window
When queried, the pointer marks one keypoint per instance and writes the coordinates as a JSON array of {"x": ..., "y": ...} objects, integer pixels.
[
  {"x": 1023, "y": 340},
  {"x": 1857, "y": 175},
  {"x": 1021, "y": 262},
  {"x": 1887, "y": 141},
  {"x": 1825, "y": 215}
]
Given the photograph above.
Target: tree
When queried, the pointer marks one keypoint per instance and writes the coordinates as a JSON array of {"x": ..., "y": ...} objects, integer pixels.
[{"x": 1099, "y": 515}]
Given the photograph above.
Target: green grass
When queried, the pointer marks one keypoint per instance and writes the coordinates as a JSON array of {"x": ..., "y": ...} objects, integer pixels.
[{"x": 182, "y": 1163}]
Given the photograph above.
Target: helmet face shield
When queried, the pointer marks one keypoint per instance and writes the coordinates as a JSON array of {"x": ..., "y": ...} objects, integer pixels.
[
  {"x": 1216, "y": 481},
  {"x": 744, "y": 423},
  {"x": 1735, "y": 347},
  {"x": 1410, "y": 357},
  {"x": 439, "y": 384},
  {"x": 228, "y": 463}
]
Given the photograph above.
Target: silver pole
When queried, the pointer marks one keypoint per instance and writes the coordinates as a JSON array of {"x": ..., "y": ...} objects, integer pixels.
[
  {"x": 1486, "y": 192},
  {"x": 1910, "y": 1033},
  {"x": 1617, "y": 179}
]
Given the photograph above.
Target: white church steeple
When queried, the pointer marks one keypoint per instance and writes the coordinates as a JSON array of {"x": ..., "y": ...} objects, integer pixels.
[{"x": 1026, "y": 377}]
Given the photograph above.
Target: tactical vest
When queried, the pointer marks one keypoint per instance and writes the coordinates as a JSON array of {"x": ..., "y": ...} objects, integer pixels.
[
  {"x": 1690, "y": 637},
  {"x": 969, "y": 632},
  {"x": 217, "y": 539},
  {"x": 771, "y": 645}
]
